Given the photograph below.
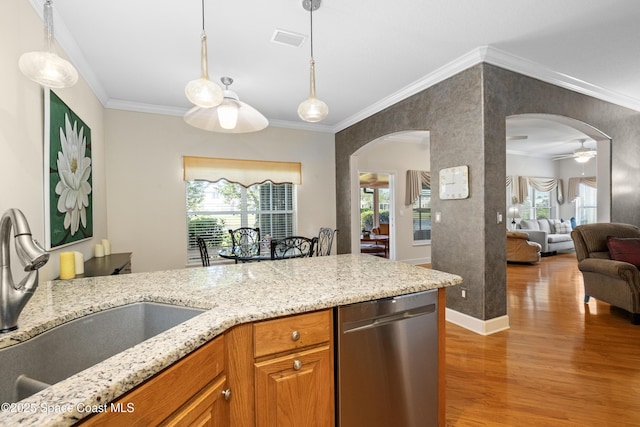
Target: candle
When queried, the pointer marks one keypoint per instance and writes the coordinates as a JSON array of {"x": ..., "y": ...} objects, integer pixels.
[
  {"x": 107, "y": 246},
  {"x": 67, "y": 265},
  {"x": 98, "y": 250},
  {"x": 79, "y": 261}
]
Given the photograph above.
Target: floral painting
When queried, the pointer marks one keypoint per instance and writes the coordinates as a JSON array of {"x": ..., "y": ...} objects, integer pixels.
[{"x": 68, "y": 175}]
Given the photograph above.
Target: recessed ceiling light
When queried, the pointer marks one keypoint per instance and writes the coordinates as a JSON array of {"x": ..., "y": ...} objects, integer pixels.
[{"x": 288, "y": 38}]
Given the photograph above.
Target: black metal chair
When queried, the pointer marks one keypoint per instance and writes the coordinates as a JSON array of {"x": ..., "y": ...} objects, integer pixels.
[
  {"x": 324, "y": 241},
  {"x": 204, "y": 253},
  {"x": 292, "y": 247},
  {"x": 245, "y": 242}
]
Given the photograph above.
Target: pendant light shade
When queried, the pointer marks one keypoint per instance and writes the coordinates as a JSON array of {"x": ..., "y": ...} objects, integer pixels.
[
  {"x": 231, "y": 116},
  {"x": 46, "y": 67},
  {"x": 203, "y": 92},
  {"x": 312, "y": 109}
]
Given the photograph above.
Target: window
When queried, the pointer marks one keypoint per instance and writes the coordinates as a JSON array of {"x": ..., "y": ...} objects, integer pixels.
[
  {"x": 371, "y": 215},
  {"x": 586, "y": 204},
  {"x": 215, "y": 207},
  {"x": 538, "y": 205},
  {"x": 422, "y": 216}
]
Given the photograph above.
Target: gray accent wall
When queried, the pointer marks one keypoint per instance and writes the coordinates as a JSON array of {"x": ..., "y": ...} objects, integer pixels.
[{"x": 466, "y": 117}]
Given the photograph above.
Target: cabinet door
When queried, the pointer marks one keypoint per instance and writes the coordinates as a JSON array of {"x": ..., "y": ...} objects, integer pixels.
[
  {"x": 296, "y": 390},
  {"x": 207, "y": 409}
]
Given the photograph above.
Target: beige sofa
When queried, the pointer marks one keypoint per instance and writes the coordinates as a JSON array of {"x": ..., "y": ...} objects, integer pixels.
[
  {"x": 553, "y": 235},
  {"x": 520, "y": 249}
]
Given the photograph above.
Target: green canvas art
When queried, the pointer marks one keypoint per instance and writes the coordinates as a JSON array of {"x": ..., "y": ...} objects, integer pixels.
[{"x": 68, "y": 175}]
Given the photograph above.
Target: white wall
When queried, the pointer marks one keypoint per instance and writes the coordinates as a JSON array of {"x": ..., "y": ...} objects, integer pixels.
[
  {"x": 396, "y": 157},
  {"x": 146, "y": 191},
  {"x": 21, "y": 132}
]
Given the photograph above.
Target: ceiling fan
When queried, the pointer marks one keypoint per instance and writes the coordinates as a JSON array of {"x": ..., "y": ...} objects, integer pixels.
[{"x": 581, "y": 155}]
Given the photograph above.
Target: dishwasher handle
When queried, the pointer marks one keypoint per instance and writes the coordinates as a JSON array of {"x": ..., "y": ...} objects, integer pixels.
[{"x": 386, "y": 319}]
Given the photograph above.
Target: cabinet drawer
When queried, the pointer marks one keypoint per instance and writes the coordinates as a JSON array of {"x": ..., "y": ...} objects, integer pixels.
[{"x": 291, "y": 333}]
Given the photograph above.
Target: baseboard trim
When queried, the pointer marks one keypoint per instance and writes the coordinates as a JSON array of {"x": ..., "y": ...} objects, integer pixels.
[{"x": 482, "y": 327}]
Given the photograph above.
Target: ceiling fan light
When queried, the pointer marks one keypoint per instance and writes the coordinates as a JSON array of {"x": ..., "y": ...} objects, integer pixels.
[
  {"x": 231, "y": 116},
  {"x": 582, "y": 159},
  {"x": 228, "y": 114}
]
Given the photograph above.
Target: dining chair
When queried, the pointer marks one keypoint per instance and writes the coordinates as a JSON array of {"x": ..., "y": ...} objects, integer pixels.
[
  {"x": 324, "y": 241},
  {"x": 204, "y": 253},
  {"x": 292, "y": 247},
  {"x": 245, "y": 242}
]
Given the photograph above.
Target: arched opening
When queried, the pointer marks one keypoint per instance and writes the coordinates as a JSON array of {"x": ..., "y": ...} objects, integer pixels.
[
  {"x": 546, "y": 145},
  {"x": 392, "y": 155}
]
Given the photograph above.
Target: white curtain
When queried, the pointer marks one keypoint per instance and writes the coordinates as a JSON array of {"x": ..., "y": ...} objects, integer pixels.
[
  {"x": 519, "y": 185},
  {"x": 574, "y": 185},
  {"x": 415, "y": 179}
]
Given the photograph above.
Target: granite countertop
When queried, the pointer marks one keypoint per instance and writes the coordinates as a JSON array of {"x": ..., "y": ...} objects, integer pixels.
[{"x": 231, "y": 294}]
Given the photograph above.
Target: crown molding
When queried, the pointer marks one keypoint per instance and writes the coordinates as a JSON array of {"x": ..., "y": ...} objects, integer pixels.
[
  {"x": 488, "y": 54},
  {"x": 499, "y": 58}
]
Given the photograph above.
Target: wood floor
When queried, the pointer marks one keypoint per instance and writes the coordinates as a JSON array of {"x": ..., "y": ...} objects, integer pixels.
[{"x": 562, "y": 363}]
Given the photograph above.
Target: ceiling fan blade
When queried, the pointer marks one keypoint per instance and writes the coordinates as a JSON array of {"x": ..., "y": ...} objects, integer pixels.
[{"x": 563, "y": 156}]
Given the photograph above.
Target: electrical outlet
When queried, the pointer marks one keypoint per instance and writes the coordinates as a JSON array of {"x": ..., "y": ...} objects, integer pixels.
[{"x": 464, "y": 293}]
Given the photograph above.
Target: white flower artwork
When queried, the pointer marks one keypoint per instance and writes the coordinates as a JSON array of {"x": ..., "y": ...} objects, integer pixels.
[
  {"x": 68, "y": 175},
  {"x": 74, "y": 169}
]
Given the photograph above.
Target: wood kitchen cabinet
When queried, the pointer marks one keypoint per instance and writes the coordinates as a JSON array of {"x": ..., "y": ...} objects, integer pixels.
[
  {"x": 278, "y": 373},
  {"x": 189, "y": 392},
  {"x": 294, "y": 371},
  {"x": 281, "y": 371},
  {"x": 295, "y": 390}
]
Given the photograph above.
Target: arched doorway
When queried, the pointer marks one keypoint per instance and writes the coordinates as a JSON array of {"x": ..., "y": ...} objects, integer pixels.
[
  {"x": 392, "y": 155},
  {"x": 546, "y": 145}
]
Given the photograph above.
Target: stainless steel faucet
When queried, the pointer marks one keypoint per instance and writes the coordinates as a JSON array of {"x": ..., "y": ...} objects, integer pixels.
[{"x": 32, "y": 256}]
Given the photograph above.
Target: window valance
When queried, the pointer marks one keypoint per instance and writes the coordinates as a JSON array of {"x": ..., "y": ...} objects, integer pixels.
[
  {"x": 415, "y": 179},
  {"x": 243, "y": 172},
  {"x": 574, "y": 185},
  {"x": 519, "y": 187}
]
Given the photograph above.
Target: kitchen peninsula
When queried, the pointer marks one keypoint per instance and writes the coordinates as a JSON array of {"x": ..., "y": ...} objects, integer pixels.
[{"x": 232, "y": 295}]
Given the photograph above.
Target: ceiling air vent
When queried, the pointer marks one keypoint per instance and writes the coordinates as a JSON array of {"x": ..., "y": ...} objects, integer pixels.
[{"x": 288, "y": 38}]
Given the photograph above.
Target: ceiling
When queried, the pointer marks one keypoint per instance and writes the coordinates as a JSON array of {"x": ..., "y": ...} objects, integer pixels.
[{"x": 139, "y": 55}]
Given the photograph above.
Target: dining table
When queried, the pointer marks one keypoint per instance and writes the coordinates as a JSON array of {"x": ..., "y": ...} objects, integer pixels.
[
  {"x": 247, "y": 254},
  {"x": 253, "y": 254}
]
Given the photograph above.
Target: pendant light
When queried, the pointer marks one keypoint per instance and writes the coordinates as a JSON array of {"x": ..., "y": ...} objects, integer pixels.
[
  {"x": 46, "y": 67},
  {"x": 231, "y": 116},
  {"x": 203, "y": 92},
  {"x": 312, "y": 109},
  {"x": 228, "y": 110}
]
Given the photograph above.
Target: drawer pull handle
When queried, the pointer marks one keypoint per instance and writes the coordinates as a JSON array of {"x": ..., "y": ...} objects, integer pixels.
[
  {"x": 297, "y": 365},
  {"x": 226, "y": 394},
  {"x": 295, "y": 335}
]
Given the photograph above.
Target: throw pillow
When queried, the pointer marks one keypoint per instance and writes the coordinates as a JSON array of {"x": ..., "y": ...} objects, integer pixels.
[
  {"x": 563, "y": 228},
  {"x": 625, "y": 249}
]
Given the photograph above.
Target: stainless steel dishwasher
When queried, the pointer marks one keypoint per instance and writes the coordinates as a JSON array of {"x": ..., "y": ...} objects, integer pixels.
[{"x": 387, "y": 362}]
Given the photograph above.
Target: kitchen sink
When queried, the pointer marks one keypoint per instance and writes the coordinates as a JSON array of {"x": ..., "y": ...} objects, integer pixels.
[{"x": 65, "y": 350}]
